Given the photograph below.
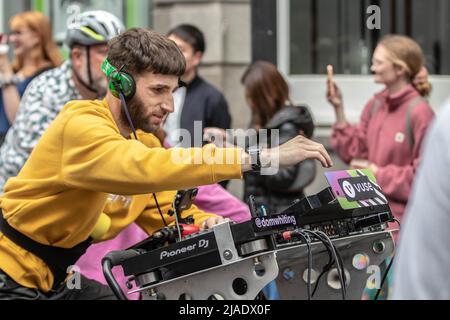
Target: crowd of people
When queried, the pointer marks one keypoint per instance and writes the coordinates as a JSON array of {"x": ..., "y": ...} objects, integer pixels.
[{"x": 87, "y": 160}]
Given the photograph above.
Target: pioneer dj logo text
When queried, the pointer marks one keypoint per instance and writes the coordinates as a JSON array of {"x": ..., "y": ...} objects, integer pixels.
[{"x": 202, "y": 244}]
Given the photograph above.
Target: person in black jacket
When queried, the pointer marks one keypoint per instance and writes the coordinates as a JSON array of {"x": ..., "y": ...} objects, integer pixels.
[
  {"x": 203, "y": 103},
  {"x": 267, "y": 94}
]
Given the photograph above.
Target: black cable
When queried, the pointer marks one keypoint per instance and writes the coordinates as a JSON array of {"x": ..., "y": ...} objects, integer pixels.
[
  {"x": 338, "y": 259},
  {"x": 326, "y": 268},
  {"x": 344, "y": 276},
  {"x": 384, "y": 278},
  {"x": 159, "y": 210},
  {"x": 339, "y": 265},
  {"x": 307, "y": 241},
  {"x": 127, "y": 113},
  {"x": 310, "y": 263},
  {"x": 130, "y": 122},
  {"x": 388, "y": 267},
  {"x": 324, "y": 239}
]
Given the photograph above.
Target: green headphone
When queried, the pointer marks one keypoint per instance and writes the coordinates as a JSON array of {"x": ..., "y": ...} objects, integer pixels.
[{"x": 119, "y": 81}]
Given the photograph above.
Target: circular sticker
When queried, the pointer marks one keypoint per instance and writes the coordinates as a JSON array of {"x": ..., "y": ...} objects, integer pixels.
[
  {"x": 348, "y": 189},
  {"x": 360, "y": 261}
]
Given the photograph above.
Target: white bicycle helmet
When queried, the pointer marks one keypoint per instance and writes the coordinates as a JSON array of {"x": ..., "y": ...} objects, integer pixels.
[{"x": 93, "y": 27}]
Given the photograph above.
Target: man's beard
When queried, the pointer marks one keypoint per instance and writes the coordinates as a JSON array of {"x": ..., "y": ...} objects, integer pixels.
[{"x": 139, "y": 119}]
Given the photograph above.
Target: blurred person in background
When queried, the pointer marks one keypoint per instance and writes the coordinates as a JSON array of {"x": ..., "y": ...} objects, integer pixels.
[
  {"x": 78, "y": 78},
  {"x": 203, "y": 102},
  {"x": 422, "y": 266},
  {"x": 267, "y": 95},
  {"x": 34, "y": 51},
  {"x": 389, "y": 137}
]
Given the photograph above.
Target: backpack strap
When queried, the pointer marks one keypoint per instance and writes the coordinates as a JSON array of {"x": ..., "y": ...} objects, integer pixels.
[
  {"x": 375, "y": 106},
  {"x": 409, "y": 130},
  {"x": 56, "y": 258}
]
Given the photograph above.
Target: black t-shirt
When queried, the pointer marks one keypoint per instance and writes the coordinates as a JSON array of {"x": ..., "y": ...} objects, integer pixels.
[{"x": 206, "y": 104}]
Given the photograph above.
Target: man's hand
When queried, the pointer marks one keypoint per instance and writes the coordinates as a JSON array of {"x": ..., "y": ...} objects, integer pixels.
[
  {"x": 334, "y": 95},
  {"x": 295, "y": 151},
  {"x": 290, "y": 153},
  {"x": 210, "y": 222}
]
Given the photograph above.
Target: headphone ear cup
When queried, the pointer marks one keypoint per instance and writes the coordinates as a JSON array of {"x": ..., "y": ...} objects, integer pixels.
[
  {"x": 127, "y": 85},
  {"x": 114, "y": 87}
]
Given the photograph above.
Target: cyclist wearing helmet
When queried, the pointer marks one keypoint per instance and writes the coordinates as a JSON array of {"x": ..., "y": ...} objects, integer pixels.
[
  {"x": 78, "y": 78},
  {"x": 88, "y": 37}
]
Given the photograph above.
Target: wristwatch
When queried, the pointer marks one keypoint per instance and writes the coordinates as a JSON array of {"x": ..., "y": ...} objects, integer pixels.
[
  {"x": 10, "y": 81},
  {"x": 255, "y": 158}
]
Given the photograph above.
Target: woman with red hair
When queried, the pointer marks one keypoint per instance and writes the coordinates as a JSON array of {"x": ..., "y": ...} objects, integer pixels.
[{"x": 34, "y": 52}]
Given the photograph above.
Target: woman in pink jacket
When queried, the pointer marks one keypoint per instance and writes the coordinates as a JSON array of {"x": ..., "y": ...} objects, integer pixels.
[{"x": 389, "y": 137}]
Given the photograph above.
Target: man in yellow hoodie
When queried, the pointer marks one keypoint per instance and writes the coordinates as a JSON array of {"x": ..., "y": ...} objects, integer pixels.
[{"x": 58, "y": 204}]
